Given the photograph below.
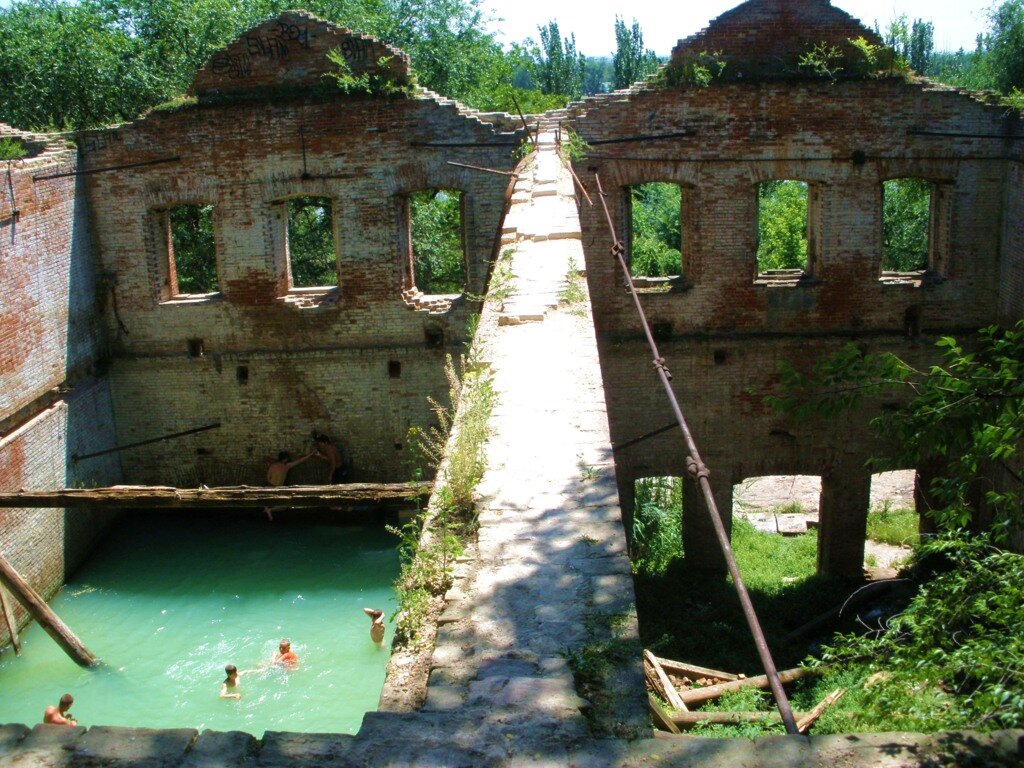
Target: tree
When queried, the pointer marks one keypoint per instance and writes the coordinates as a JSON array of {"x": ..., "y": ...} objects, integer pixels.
[
  {"x": 631, "y": 62},
  {"x": 964, "y": 420},
  {"x": 557, "y": 68},
  {"x": 905, "y": 214},
  {"x": 781, "y": 225},
  {"x": 1005, "y": 46},
  {"x": 922, "y": 42}
]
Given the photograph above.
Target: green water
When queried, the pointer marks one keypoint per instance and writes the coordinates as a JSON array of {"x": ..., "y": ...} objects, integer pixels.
[{"x": 166, "y": 603}]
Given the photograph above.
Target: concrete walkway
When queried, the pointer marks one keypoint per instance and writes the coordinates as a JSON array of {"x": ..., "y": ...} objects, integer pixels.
[{"x": 546, "y": 590}]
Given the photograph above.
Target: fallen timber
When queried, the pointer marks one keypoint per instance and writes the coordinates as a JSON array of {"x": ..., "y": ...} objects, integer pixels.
[
  {"x": 42, "y": 613},
  {"x": 164, "y": 497}
]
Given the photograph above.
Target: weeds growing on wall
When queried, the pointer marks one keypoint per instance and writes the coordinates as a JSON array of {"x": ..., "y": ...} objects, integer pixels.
[
  {"x": 573, "y": 295},
  {"x": 11, "y": 149},
  {"x": 430, "y": 543}
]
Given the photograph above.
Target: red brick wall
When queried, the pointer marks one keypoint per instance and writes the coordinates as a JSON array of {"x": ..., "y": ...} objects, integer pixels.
[
  {"x": 311, "y": 367},
  {"x": 739, "y": 135}
]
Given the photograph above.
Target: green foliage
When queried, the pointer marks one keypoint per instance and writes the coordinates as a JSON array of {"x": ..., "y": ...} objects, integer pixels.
[
  {"x": 439, "y": 263},
  {"x": 922, "y": 44},
  {"x": 500, "y": 286},
  {"x": 555, "y": 65},
  {"x": 11, "y": 148},
  {"x": 378, "y": 83},
  {"x": 1005, "y": 46},
  {"x": 311, "y": 249},
  {"x": 822, "y": 60},
  {"x": 906, "y": 211},
  {"x": 954, "y": 658},
  {"x": 632, "y": 62},
  {"x": 573, "y": 295},
  {"x": 195, "y": 258},
  {"x": 697, "y": 70},
  {"x": 574, "y": 148},
  {"x": 893, "y": 525},
  {"x": 781, "y": 225},
  {"x": 430, "y": 543},
  {"x": 656, "y": 239},
  {"x": 656, "y": 539},
  {"x": 965, "y": 419}
]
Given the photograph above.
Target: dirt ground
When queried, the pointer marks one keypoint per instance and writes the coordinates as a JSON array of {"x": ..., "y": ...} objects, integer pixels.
[{"x": 759, "y": 499}]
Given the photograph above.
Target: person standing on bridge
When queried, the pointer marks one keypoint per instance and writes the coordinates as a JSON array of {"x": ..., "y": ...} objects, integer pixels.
[{"x": 324, "y": 448}]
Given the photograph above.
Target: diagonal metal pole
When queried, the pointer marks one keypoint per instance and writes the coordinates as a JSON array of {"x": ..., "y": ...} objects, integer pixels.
[{"x": 695, "y": 466}]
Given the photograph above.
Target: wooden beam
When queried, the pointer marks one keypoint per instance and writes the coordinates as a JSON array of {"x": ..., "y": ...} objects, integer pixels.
[
  {"x": 162, "y": 497},
  {"x": 804, "y": 723},
  {"x": 688, "y": 719},
  {"x": 697, "y": 695},
  {"x": 42, "y": 613},
  {"x": 663, "y": 721},
  {"x": 12, "y": 626},
  {"x": 692, "y": 671},
  {"x": 671, "y": 694}
]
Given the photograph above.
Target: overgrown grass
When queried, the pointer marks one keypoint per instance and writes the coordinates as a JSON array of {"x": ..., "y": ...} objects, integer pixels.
[
  {"x": 432, "y": 541},
  {"x": 893, "y": 525}
]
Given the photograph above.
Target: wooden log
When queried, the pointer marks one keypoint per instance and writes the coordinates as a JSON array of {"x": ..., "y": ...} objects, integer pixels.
[
  {"x": 671, "y": 694},
  {"x": 696, "y": 695},
  {"x": 163, "y": 497},
  {"x": 803, "y": 725},
  {"x": 692, "y": 670},
  {"x": 689, "y": 719},
  {"x": 42, "y": 613},
  {"x": 661, "y": 720},
  {"x": 12, "y": 625}
]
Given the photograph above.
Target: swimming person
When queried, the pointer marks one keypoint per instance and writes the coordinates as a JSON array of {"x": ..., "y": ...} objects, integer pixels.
[
  {"x": 376, "y": 624},
  {"x": 325, "y": 449},
  {"x": 60, "y": 714},
  {"x": 227, "y": 688},
  {"x": 285, "y": 656},
  {"x": 277, "y": 472}
]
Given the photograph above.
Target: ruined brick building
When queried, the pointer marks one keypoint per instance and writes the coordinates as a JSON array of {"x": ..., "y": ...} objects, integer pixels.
[{"x": 98, "y": 347}]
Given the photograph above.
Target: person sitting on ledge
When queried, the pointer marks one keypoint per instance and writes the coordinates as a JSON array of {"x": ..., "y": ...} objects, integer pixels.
[
  {"x": 277, "y": 472},
  {"x": 285, "y": 656},
  {"x": 60, "y": 715},
  {"x": 376, "y": 624}
]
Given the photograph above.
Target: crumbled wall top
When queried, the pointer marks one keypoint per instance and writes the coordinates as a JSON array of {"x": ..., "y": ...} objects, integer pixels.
[
  {"x": 766, "y": 38},
  {"x": 290, "y": 53}
]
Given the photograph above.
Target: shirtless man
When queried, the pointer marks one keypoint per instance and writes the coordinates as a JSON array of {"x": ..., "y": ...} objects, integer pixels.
[
  {"x": 376, "y": 624},
  {"x": 277, "y": 472},
  {"x": 277, "y": 475},
  {"x": 227, "y": 688},
  {"x": 285, "y": 656},
  {"x": 324, "y": 449},
  {"x": 60, "y": 715}
]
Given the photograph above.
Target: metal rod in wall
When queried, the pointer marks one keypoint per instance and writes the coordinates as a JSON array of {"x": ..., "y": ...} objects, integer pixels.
[{"x": 115, "y": 449}]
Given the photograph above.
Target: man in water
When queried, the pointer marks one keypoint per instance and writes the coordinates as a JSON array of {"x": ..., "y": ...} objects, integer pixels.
[
  {"x": 60, "y": 715},
  {"x": 227, "y": 688},
  {"x": 376, "y": 624},
  {"x": 285, "y": 656}
]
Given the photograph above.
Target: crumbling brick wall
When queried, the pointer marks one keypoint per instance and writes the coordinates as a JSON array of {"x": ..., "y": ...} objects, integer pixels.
[
  {"x": 51, "y": 404},
  {"x": 270, "y": 126},
  {"x": 723, "y": 330}
]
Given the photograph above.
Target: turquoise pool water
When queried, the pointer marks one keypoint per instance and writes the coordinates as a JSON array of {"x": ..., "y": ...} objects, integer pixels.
[{"x": 166, "y": 603}]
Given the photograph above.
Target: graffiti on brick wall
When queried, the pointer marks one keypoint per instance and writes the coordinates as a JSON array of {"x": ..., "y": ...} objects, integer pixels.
[
  {"x": 275, "y": 44},
  {"x": 354, "y": 50},
  {"x": 98, "y": 141}
]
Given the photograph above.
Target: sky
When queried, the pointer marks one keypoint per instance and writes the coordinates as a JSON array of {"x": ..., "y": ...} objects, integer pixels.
[{"x": 956, "y": 22}]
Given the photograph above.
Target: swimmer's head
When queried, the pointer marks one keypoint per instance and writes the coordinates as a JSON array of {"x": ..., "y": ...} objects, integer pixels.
[
  {"x": 285, "y": 645},
  {"x": 66, "y": 701},
  {"x": 231, "y": 670},
  {"x": 284, "y": 456}
]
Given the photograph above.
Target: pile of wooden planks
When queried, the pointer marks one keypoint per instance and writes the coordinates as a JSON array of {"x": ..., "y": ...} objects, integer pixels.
[{"x": 685, "y": 686}]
